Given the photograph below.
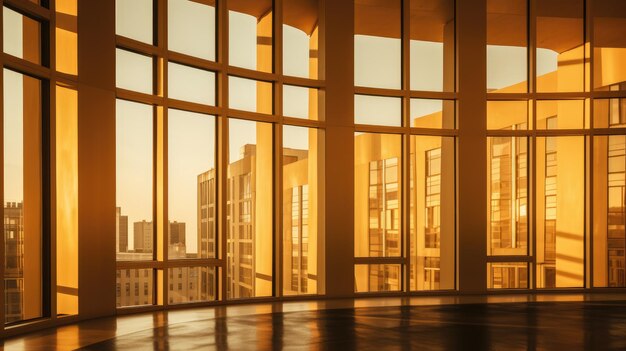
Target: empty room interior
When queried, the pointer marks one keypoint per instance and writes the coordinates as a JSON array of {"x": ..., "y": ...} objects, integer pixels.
[{"x": 313, "y": 174}]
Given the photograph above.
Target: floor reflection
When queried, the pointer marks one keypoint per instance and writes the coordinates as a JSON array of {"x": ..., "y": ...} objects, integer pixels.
[{"x": 510, "y": 326}]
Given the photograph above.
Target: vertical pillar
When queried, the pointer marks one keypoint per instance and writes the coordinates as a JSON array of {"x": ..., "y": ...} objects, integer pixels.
[
  {"x": 472, "y": 156},
  {"x": 337, "y": 51},
  {"x": 263, "y": 226},
  {"x": 96, "y": 159},
  {"x": 33, "y": 195}
]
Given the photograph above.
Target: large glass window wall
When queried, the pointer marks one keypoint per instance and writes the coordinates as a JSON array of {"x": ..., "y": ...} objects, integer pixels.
[
  {"x": 219, "y": 185},
  {"x": 553, "y": 151},
  {"x": 219, "y": 150}
]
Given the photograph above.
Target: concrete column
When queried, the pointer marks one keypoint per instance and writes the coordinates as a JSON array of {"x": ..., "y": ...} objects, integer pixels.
[
  {"x": 96, "y": 159},
  {"x": 337, "y": 53},
  {"x": 472, "y": 155}
]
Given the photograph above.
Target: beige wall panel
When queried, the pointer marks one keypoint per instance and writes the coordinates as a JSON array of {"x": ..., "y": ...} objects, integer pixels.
[{"x": 609, "y": 68}]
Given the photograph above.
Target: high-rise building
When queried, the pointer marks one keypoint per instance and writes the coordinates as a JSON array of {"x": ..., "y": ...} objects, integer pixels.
[
  {"x": 143, "y": 232},
  {"x": 616, "y": 200},
  {"x": 177, "y": 233},
  {"x": 241, "y": 239},
  {"x": 384, "y": 221},
  {"x": 14, "y": 261},
  {"x": 121, "y": 224},
  {"x": 134, "y": 287},
  {"x": 297, "y": 233},
  {"x": 206, "y": 214},
  {"x": 508, "y": 224},
  {"x": 242, "y": 232},
  {"x": 191, "y": 284}
]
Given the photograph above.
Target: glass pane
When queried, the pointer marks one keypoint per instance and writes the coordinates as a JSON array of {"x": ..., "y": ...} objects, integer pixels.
[
  {"x": 66, "y": 36},
  {"x": 609, "y": 35},
  {"x": 300, "y": 102},
  {"x": 23, "y": 266},
  {"x": 507, "y": 43},
  {"x": 377, "y": 45},
  {"x": 66, "y": 150},
  {"x": 133, "y": 71},
  {"x": 429, "y": 113},
  {"x": 300, "y": 38},
  {"x": 432, "y": 209},
  {"x": 560, "y": 46},
  {"x": 250, "y": 34},
  {"x": 377, "y": 195},
  {"x": 301, "y": 208},
  {"x": 561, "y": 114},
  {"x": 249, "y": 209},
  {"x": 560, "y": 211},
  {"x": 134, "y": 169},
  {"x": 250, "y": 95},
  {"x": 609, "y": 239},
  {"x": 191, "y": 27},
  {"x": 507, "y": 275},
  {"x": 192, "y": 284},
  {"x": 377, "y": 277},
  {"x": 609, "y": 113},
  {"x": 21, "y": 36},
  {"x": 133, "y": 19},
  {"x": 507, "y": 184},
  {"x": 432, "y": 45},
  {"x": 377, "y": 110},
  {"x": 191, "y": 185},
  {"x": 509, "y": 115},
  {"x": 191, "y": 84},
  {"x": 134, "y": 287}
]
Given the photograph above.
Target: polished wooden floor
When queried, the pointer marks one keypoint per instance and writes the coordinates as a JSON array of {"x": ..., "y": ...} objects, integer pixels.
[{"x": 519, "y": 322}]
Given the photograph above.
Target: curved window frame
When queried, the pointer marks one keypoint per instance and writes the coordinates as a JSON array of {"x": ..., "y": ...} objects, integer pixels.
[{"x": 161, "y": 102}]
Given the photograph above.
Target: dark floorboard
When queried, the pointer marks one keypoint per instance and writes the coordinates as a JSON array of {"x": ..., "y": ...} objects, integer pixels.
[{"x": 559, "y": 326}]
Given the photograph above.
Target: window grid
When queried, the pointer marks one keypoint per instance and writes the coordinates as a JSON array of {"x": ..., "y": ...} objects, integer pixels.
[
  {"x": 547, "y": 272},
  {"x": 447, "y": 128},
  {"x": 50, "y": 71},
  {"x": 160, "y": 99}
]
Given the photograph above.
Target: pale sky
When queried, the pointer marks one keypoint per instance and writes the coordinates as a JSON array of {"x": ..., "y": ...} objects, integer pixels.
[
  {"x": 191, "y": 145},
  {"x": 506, "y": 65},
  {"x": 295, "y": 137},
  {"x": 134, "y": 162},
  {"x": 13, "y": 88},
  {"x": 182, "y": 77},
  {"x": 240, "y": 133},
  {"x": 12, "y": 39},
  {"x": 13, "y": 137}
]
